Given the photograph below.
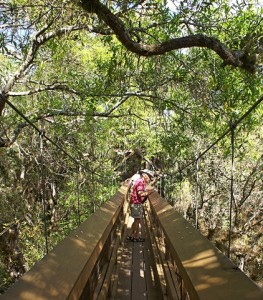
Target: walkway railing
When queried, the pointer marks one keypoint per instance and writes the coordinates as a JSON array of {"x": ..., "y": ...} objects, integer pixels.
[
  {"x": 80, "y": 266},
  {"x": 192, "y": 268},
  {"x": 85, "y": 264}
]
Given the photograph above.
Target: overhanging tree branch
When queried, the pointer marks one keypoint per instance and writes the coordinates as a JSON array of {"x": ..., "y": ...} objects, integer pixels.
[
  {"x": 229, "y": 57},
  {"x": 20, "y": 127},
  {"x": 40, "y": 38},
  {"x": 51, "y": 87}
]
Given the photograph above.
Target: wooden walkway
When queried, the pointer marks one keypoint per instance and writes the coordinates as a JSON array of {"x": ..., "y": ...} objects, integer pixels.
[
  {"x": 137, "y": 274},
  {"x": 96, "y": 262}
]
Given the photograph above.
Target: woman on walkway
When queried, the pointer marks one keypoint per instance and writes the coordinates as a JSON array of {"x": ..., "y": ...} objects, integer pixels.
[{"x": 138, "y": 196}]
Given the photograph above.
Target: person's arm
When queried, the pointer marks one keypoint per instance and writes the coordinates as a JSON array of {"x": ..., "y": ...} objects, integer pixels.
[
  {"x": 147, "y": 192},
  {"x": 143, "y": 193},
  {"x": 141, "y": 190}
]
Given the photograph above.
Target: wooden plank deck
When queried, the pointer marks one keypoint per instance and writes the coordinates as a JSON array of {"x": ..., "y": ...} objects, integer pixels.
[{"x": 137, "y": 274}]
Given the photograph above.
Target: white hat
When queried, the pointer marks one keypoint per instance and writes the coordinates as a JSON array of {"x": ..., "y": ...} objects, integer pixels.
[{"x": 148, "y": 172}]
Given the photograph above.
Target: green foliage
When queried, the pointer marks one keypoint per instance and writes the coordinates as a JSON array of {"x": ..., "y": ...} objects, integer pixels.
[{"x": 97, "y": 102}]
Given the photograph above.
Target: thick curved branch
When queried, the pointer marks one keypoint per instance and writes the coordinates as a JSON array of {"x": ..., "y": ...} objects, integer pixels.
[{"x": 230, "y": 57}]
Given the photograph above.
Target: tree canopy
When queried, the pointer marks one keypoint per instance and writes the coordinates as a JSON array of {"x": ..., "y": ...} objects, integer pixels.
[{"x": 92, "y": 91}]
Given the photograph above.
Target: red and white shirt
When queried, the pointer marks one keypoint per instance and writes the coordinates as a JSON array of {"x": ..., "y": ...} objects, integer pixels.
[{"x": 139, "y": 186}]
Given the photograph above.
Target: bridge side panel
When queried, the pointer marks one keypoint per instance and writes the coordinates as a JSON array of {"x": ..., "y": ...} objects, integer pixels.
[
  {"x": 205, "y": 271},
  {"x": 64, "y": 272}
]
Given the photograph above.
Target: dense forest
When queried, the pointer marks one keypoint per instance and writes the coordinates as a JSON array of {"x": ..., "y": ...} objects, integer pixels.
[{"x": 94, "y": 90}]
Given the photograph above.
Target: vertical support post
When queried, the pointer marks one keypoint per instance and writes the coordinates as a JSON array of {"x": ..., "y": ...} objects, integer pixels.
[
  {"x": 77, "y": 182},
  {"x": 181, "y": 187},
  {"x": 165, "y": 194},
  {"x": 232, "y": 187},
  {"x": 93, "y": 194},
  {"x": 197, "y": 193},
  {"x": 113, "y": 185},
  {"x": 109, "y": 182},
  {"x": 169, "y": 194},
  {"x": 43, "y": 190},
  {"x": 162, "y": 186}
]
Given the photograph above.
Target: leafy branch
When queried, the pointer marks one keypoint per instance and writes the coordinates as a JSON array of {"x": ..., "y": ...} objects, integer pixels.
[
  {"x": 230, "y": 57},
  {"x": 39, "y": 38}
]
